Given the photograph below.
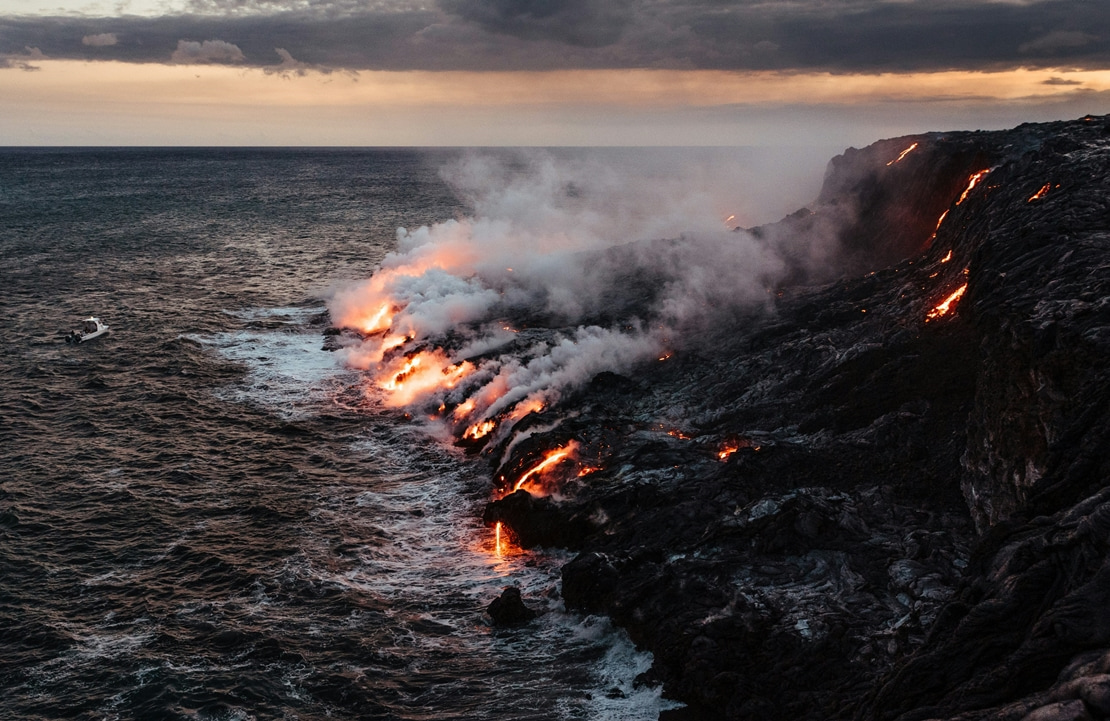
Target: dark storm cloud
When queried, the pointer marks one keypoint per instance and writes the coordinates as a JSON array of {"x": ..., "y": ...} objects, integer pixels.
[
  {"x": 365, "y": 41},
  {"x": 588, "y": 23},
  {"x": 1060, "y": 81},
  {"x": 22, "y": 60},
  {"x": 832, "y": 35}
]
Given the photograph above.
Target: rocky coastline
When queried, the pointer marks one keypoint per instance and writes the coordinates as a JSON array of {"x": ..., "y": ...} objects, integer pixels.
[{"x": 847, "y": 503}]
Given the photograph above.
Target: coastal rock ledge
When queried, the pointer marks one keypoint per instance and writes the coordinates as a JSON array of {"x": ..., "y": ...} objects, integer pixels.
[{"x": 857, "y": 504}]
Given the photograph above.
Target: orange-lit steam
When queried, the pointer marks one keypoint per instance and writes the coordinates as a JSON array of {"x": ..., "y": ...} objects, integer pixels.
[
  {"x": 532, "y": 405},
  {"x": 464, "y": 409},
  {"x": 374, "y": 306},
  {"x": 379, "y": 321},
  {"x": 407, "y": 379}
]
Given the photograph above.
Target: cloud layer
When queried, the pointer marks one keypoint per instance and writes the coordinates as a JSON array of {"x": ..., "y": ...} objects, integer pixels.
[{"x": 805, "y": 35}]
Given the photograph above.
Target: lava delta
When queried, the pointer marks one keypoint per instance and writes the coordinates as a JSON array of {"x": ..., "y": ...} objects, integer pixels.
[{"x": 881, "y": 493}]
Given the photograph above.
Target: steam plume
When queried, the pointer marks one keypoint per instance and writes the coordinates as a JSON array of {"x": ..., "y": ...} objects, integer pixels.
[{"x": 564, "y": 270}]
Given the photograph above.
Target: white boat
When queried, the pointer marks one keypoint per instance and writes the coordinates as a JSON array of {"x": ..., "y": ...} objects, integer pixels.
[{"x": 90, "y": 328}]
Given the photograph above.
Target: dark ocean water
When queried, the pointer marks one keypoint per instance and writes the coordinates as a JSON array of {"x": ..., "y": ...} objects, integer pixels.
[{"x": 202, "y": 515}]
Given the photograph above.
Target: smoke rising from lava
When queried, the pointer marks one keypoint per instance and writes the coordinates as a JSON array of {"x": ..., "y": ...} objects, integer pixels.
[{"x": 565, "y": 269}]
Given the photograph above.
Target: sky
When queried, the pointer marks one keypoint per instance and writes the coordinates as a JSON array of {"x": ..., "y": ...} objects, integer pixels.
[{"x": 803, "y": 73}]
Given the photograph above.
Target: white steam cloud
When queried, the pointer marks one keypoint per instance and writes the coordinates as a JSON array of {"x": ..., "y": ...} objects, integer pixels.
[{"x": 615, "y": 265}]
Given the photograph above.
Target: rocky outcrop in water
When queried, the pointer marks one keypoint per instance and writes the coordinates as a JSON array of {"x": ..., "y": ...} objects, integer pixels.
[
  {"x": 856, "y": 506},
  {"x": 508, "y": 609}
]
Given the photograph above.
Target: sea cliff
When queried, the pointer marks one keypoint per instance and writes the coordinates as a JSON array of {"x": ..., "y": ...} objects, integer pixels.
[{"x": 883, "y": 493}]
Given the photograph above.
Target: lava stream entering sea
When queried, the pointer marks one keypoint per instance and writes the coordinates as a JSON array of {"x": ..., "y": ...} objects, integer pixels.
[{"x": 550, "y": 460}]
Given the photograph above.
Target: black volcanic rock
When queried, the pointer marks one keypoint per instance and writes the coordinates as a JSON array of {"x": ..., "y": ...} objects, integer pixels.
[
  {"x": 538, "y": 521},
  {"x": 508, "y": 609},
  {"x": 846, "y": 508}
]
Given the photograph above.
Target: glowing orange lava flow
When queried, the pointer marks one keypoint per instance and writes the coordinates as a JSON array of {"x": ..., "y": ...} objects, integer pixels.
[
  {"x": 379, "y": 321},
  {"x": 1041, "y": 193},
  {"x": 402, "y": 375},
  {"x": 904, "y": 154},
  {"x": 727, "y": 450},
  {"x": 497, "y": 538},
  {"x": 551, "y": 459},
  {"x": 971, "y": 183},
  {"x": 479, "y": 430},
  {"x": 523, "y": 408},
  {"x": 946, "y": 304},
  {"x": 421, "y": 375},
  {"x": 732, "y": 446},
  {"x": 937, "y": 229},
  {"x": 463, "y": 409},
  {"x": 394, "y": 341},
  {"x": 946, "y": 258}
]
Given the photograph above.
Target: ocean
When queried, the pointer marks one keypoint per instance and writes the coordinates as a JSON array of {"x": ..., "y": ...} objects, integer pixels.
[{"x": 207, "y": 515}]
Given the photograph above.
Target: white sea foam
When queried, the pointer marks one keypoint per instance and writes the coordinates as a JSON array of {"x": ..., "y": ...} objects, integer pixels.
[
  {"x": 289, "y": 372},
  {"x": 419, "y": 549}
]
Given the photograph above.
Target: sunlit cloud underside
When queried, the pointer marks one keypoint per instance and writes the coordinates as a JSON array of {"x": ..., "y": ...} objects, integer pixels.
[{"x": 126, "y": 103}]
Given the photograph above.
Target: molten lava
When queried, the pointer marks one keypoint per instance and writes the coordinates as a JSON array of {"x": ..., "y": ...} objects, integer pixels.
[
  {"x": 946, "y": 305},
  {"x": 420, "y": 375},
  {"x": 381, "y": 320},
  {"x": 946, "y": 258},
  {"x": 936, "y": 229},
  {"x": 497, "y": 538},
  {"x": 400, "y": 376},
  {"x": 532, "y": 405},
  {"x": 971, "y": 183},
  {"x": 1041, "y": 193},
  {"x": 732, "y": 446},
  {"x": 550, "y": 460},
  {"x": 464, "y": 409},
  {"x": 479, "y": 430},
  {"x": 904, "y": 153},
  {"x": 393, "y": 342}
]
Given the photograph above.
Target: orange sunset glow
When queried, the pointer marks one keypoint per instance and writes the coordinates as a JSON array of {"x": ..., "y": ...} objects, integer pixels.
[{"x": 150, "y": 102}]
